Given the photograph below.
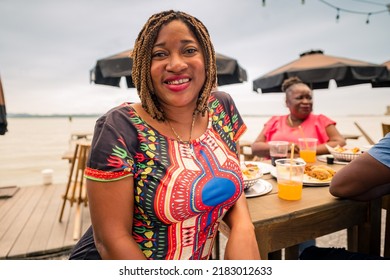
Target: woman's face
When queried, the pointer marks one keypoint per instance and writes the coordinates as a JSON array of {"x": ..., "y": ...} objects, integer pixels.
[
  {"x": 178, "y": 68},
  {"x": 299, "y": 99}
]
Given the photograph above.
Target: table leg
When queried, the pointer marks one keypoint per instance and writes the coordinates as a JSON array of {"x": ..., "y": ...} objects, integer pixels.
[
  {"x": 277, "y": 255},
  {"x": 291, "y": 253}
]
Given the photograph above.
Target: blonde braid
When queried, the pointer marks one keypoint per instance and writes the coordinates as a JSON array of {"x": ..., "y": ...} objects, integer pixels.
[{"x": 142, "y": 57}]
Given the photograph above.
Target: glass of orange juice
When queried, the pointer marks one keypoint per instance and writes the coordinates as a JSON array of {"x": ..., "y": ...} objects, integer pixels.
[
  {"x": 289, "y": 174},
  {"x": 308, "y": 149}
]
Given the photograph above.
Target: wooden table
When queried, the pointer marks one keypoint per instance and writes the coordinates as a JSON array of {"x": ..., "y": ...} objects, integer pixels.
[
  {"x": 281, "y": 224},
  {"x": 351, "y": 136}
]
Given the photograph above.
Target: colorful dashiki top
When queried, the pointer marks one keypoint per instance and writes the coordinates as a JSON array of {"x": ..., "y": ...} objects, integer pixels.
[{"x": 180, "y": 193}]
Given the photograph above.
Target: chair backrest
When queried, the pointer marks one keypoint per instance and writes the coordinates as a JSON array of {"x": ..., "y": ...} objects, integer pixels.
[
  {"x": 368, "y": 138},
  {"x": 386, "y": 128}
]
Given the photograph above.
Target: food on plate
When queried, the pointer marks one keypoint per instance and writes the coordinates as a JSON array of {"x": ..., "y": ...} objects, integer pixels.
[
  {"x": 353, "y": 150},
  {"x": 250, "y": 171},
  {"x": 320, "y": 172}
]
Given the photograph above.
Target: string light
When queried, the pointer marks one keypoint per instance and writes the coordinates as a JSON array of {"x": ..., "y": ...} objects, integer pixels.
[
  {"x": 338, "y": 9},
  {"x": 368, "y": 18}
]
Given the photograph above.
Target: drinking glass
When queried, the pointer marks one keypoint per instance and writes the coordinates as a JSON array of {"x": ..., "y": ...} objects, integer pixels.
[
  {"x": 308, "y": 149},
  {"x": 278, "y": 150},
  {"x": 289, "y": 175}
]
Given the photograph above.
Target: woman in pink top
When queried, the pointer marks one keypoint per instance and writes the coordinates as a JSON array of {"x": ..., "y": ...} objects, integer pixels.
[{"x": 301, "y": 120}]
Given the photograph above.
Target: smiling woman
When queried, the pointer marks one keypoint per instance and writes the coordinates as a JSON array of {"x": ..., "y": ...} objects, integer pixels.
[{"x": 163, "y": 173}]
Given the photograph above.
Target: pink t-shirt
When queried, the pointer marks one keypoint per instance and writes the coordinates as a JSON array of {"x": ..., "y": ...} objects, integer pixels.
[{"x": 277, "y": 129}]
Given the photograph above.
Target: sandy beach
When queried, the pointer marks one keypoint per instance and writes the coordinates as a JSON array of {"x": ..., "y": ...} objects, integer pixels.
[{"x": 35, "y": 144}]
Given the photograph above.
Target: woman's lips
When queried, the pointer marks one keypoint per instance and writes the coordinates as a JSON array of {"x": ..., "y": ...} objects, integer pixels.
[{"x": 178, "y": 84}]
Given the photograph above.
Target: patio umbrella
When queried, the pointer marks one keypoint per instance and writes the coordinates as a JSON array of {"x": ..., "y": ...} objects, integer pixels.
[
  {"x": 109, "y": 70},
  {"x": 317, "y": 69},
  {"x": 3, "y": 113},
  {"x": 383, "y": 82}
]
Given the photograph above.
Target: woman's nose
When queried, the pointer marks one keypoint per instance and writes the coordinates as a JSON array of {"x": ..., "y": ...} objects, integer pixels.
[{"x": 176, "y": 64}]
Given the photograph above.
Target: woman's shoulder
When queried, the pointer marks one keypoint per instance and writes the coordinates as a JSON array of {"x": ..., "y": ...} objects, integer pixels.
[
  {"x": 120, "y": 109},
  {"x": 223, "y": 100},
  {"x": 116, "y": 113},
  {"x": 276, "y": 119},
  {"x": 323, "y": 119},
  {"x": 220, "y": 95}
]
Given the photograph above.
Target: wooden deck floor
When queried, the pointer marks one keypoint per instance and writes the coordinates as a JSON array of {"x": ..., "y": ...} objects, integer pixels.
[{"x": 29, "y": 226}]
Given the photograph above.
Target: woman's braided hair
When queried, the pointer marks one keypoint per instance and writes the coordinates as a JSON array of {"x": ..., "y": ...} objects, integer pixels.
[{"x": 142, "y": 57}]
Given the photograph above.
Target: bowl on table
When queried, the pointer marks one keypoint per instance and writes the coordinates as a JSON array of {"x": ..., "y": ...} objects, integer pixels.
[
  {"x": 248, "y": 183},
  {"x": 345, "y": 154},
  {"x": 251, "y": 174}
]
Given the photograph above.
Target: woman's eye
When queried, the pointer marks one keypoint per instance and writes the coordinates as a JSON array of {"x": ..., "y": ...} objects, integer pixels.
[
  {"x": 191, "y": 51},
  {"x": 158, "y": 54}
]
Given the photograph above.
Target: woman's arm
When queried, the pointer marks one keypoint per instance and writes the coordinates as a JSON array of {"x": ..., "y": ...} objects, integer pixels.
[
  {"x": 364, "y": 178},
  {"x": 335, "y": 138},
  {"x": 242, "y": 242},
  {"x": 260, "y": 147},
  {"x": 111, "y": 207}
]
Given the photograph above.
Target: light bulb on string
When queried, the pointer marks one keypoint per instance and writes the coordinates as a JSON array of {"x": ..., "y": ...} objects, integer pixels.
[
  {"x": 368, "y": 18},
  {"x": 263, "y": 3},
  {"x": 338, "y": 15}
]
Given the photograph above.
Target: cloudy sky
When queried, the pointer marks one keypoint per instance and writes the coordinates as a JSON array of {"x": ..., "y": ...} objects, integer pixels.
[{"x": 47, "y": 48}]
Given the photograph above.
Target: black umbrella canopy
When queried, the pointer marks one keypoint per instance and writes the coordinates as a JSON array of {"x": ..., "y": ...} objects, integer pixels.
[
  {"x": 3, "y": 113},
  {"x": 109, "y": 70},
  {"x": 317, "y": 69},
  {"x": 380, "y": 82}
]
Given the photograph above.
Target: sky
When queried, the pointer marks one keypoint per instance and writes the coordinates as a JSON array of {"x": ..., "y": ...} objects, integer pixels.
[{"x": 47, "y": 48}]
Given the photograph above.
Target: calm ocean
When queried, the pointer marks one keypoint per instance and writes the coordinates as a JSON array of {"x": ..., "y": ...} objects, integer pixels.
[{"x": 34, "y": 144}]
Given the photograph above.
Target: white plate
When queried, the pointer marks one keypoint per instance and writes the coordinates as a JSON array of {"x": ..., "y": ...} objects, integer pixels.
[
  {"x": 262, "y": 187},
  {"x": 323, "y": 159},
  {"x": 265, "y": 168},
  {"x": 307, "y": 181}
]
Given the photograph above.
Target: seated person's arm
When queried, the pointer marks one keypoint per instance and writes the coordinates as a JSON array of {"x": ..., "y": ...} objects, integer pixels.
[
  {"x": 364, "y": 178},
  {"x": 335, "y": 138},
  {"x": 242, "y": 242},
  {"x": 111, "y": 206}
]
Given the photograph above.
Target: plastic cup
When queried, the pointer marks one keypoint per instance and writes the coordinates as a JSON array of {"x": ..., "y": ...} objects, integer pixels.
[
  {"x": 278, "y": 150},
  {"x": 308, "y": 149},
  {"x": 289, "y": 175},
  {"x": 47, "y": 176}
]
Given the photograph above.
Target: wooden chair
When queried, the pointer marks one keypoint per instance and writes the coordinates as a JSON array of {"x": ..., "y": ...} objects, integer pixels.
[
  {"x": 368, "y": 138},
  {"x": 245, "y": 150},
  {"x": 385, "y": 128},
  {"x": 75, "y": 191},
  {"x": 386, "y": 206}
]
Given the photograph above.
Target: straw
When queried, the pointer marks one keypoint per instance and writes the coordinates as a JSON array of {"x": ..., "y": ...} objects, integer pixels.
[
  {"x": 291, "y": 159},
  {"x": 303, "y": 137},
  {"x": 292, "y": 152}
]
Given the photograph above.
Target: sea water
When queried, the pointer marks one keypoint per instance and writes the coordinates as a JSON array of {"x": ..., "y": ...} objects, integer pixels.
[{"x": 34, "y": 144}]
